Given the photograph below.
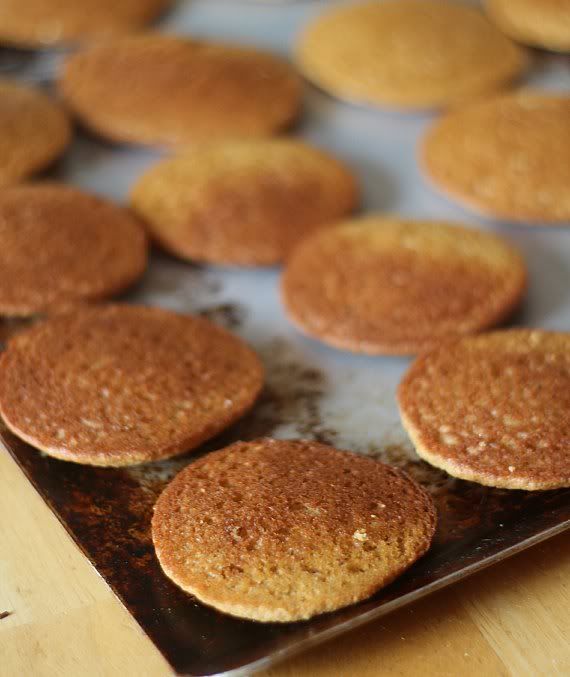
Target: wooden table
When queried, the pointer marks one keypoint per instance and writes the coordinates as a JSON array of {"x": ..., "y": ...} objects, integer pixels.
[{"x": 513, "y": 619}]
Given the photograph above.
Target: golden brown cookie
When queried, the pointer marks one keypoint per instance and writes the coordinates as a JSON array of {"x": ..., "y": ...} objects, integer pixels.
[
  {"x": 284, "y": 530},
  {"x": 507, "y": 157},
  {"x": 245, "y": 202},
  {"x": 407, "y": 53},
  {"x": 493, "y": 408},
  {"x": 540, "y": 23},
  {"x": 387, "y": 285},
  {"x": 172, "y": 91},
  {"x": 43, "y": 23},
  {"x": 60, "y": 246},
  {"x": 118, "y": 385},
  {"x": 35, "y": 131}
]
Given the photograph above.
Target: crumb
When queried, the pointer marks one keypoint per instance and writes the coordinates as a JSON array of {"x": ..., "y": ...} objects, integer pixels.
[{"x": 360, "y": 535}]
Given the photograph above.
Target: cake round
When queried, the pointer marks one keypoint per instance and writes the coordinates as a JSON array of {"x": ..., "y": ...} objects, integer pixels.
[
  {"x": 60, "y": 247},
  {"x": 243, "y": 202},
  {"x": 35, "y": 132},
  {"x": 282, "y": 530},
  {"x": 118, "y": 385},
  {"x": 493, "y": 408},
  {"x": 407, "y": 54},
  {"x": 48, "y": 23},
  {"x": 540, "y": 23},
  {"x": 505, "y": 157},
  {"x": 179, "y": 91},
  {"x": 388, "y": 285}
]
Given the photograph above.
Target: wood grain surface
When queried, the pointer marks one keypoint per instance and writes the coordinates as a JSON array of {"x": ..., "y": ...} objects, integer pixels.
[{"x": 512, "y": 619}]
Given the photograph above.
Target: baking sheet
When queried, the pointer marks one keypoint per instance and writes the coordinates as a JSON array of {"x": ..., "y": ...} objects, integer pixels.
[{"x": 312, "y": 391}]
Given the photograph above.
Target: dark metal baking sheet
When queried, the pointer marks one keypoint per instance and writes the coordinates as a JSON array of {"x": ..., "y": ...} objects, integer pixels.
[
  {"x": 107, "y": 512},
  {"x": 312, "y": 391}
]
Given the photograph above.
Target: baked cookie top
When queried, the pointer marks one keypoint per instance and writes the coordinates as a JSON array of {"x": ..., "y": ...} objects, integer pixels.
[
  {"x": 540, "y": 23},
  {"x": 505, "y": 157},
  {"x": 389, "y": 285},
  {"x": 118, "y": 385},
  {"x": 45, "y": 23},
  {"x": 170, "y": 91},
  {"x": 244, "y": 202},
  {"x": 35, "y": 131},
  {"x": 494, "y": 408},
  {"x": 282, "y": 530},
  {"x": 407, "y": 54},
  {"x": 60, "y": 246}
]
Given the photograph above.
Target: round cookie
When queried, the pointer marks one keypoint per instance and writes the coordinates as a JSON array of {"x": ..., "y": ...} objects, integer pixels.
[
  {"x": 118, "y": 385},
  {"x": 244, "y": 202},
  {"x": 493, "y": 408},
  {"x": 64, "y": 247},
  {"x": 179, "y": 91},
  {"x": 45, "y": 23},
  {"x": 540, "y": 23},
  {"x": 282, "y": 530},
  {"x": 35, "y": 131},
  {"x": 407, "y": 53},
  {"x": 506, "y": 157},
  {"x": 387, "y": 285}
]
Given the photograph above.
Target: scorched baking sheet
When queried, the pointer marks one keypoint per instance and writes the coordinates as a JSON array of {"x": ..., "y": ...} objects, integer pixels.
[{"x": 312, "y": 391}]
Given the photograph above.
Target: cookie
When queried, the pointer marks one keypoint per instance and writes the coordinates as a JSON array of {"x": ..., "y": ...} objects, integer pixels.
[
  {"x": 540, "y": 23},
  {"x": 282, "y": 530},
  {"x": 506, "y": 157},
  {"x": 387, "y": 285},
  {"x": 64, "y": 247},
  {"x": 407, "y": 54},
  {"x": 244, "y": 202},
  {"x": 493, "y": 408},
  {"x": 118, "y": 385},
  {"x": 35, "y": 132},
  {"x": 47, "y": 23},
  {"x": 179, "y": 91}
]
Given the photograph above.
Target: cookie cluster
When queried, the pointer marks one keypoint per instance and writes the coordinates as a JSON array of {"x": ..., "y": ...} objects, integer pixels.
[{"x": 283, "y": 530}]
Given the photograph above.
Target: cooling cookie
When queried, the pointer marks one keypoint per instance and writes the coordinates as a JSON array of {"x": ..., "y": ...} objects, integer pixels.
[
  {"x": 407, "y": 53},
  {"x": 172, "y": 91},
  {"x": 384, "y": 285},
  {"x": 494, "y": 409},
  {"x": 118, "y": 385},
  {"x": 244, "y": 203},
  {"x": 43, "y": 23},
  {"x": 540, "y": 23},
  {"x": 35, "y": 132},
  {"x": 507, "y": 157},
  {"x": 284, "y": 530},
  {"x": 60, "y": 246}
]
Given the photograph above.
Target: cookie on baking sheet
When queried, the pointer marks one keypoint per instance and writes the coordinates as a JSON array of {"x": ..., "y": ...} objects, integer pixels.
[
  {"x": 540, "y": 23},
  {"x": 34, "y": 131},
  {"x": 407, "y": 53},
  {"x": 169, "y": 91},
  {"x": 118, "y": 385},
  {"x": 388, "y": 285},
  {"x": 60, "y": 246},
  {"x": 494, "y": 408},
  {"x": 506, "y": 157},
  {"x": 45, "y": 23},
  {"x": 282, "y": 530},
  {"x": 243, "y": 202}
]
